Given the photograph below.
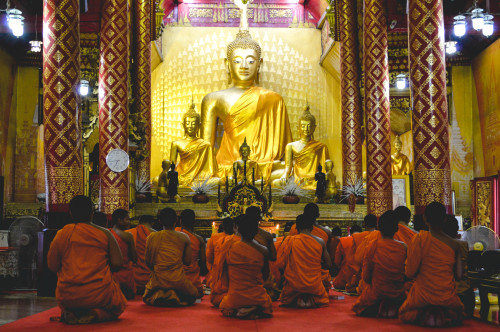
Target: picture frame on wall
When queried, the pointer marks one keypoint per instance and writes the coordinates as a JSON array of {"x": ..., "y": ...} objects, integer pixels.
[{"x": 401, "y": 191}]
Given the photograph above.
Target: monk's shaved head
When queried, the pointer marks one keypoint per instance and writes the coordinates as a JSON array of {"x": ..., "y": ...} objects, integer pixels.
[
  {"x": 146, "y": 219},
  {"x": 312, "y": 210},
  {"x": 304, "y": 222},
  {"x": 336, "y": 231},
  {"x": 187, "y": 218},
  {"x": 388, "y": 224},
  {"x": 370, "y": 221},
  {"x": 451, "y": 226},
  {"x": 168, "y": 218},
  {"x": 403, "y": 214},
  {"x": 248, "y": 226},
  {"x": 80, "y": 208},
  {"x": 435, "y": 214},
  {"x": 228, "y": 226}
]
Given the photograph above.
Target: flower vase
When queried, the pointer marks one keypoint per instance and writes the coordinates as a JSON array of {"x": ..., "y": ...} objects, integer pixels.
[
  {"x": 200, "y": 198},
  {"x": 291, "y": 199}
]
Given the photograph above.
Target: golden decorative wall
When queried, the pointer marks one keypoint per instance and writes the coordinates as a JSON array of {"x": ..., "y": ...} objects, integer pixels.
[{"x": 193, "y": 65}]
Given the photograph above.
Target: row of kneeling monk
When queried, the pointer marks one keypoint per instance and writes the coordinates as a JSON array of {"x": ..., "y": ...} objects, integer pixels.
[{"x": 396, "y": 270}]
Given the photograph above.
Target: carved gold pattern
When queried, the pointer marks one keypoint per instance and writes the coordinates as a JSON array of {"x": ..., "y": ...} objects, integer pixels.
[
  {"x": 430, "y": 107},
  {"x": 280, "y": 13},
  {"x": 378, "y": 140},
  {"x": 61, "y": 103},
  {"x": 113, "y": 103}
]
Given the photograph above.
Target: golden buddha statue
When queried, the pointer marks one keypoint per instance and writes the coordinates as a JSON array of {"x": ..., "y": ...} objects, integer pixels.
[
  {"x": 246, "y": 110},
  {"x": 196, "y": 155},
  {"x": 162, "y": 190},
  {"x": 247, "y": 167},
  {"x": 331, "y": 180},
  {"x": 302, "y": 157},
  {"x": 400, "y": 163}
]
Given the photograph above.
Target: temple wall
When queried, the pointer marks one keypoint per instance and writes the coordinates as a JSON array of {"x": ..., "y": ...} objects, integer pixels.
[{"x": 193, "y": 65}]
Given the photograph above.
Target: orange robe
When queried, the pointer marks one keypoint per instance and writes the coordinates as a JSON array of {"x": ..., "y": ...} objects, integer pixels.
[
  {"x": 357, "y": 263},
  {"x": 193, "y": 270},
  {"x": 270, "y": 284},
  {"x": 80, "y": 255},
  {"x": 301, "y": 260},
  {"x": 383, "y": 273},
  {"x": 124, "y": 276},
  {"x": 246, "y": 286},
  {"x": 340, "y": 261},
  {"x": 210, "y": 253},
  {"x": 141, "y": 271},
  {"x": 274, "y": 265},
  {"x": 168, "y": 285},
  {"x": 220, "y": 282},
  {"x": 404, "y": 234},
  {"x": 349, "y": 268},
  {"x": 431, "y": 263}
]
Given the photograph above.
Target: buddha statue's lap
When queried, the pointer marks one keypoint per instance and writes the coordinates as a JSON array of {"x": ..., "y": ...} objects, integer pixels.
[{"x": 401, "y": 165}]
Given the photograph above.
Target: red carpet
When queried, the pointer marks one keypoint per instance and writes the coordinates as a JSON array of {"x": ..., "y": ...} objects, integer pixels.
[{"x": 203, "y": 317}]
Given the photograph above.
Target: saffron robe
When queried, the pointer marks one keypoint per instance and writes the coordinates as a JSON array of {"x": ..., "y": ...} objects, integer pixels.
[
  {"x": 210, "y": 253},
  {"x": 246, "y": 286},
  {"x": 357, "y": 263},
  {"x": 305, "y": 163},
  {"x": 124, "y": 276},
  {"x": 340, "y": 261},
  {"x": 168, "y": 285},
  {"x": 141, "y": 271},
  {"x": 193, "y": 270},
  {"x": 431, "y": 263},
  {"x": 301, "y": 260},
  {"x": 220, "y": 281},
  {"x": 196, "y": 161},
  {"x": 80, "y": 255},
  {"x": 383, "y": 273},
  {"x": 260, "y": 116},
  {"x": 270, "y": 284},
  {"x": 274, "y": 265},
  {"x": 404, "y": 234},
  {"x": 349, "y": 269}
]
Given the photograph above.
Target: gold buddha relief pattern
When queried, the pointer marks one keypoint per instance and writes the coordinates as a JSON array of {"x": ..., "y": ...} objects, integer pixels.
[{"x": 194, "y": 66}]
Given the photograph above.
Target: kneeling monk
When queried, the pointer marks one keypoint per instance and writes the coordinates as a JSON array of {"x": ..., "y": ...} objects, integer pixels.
[
  {"x": 81, "y": 254},
  {"x": 247, "y": 268},
  {"x": 301, "y": 258},
  {"x": 383, "y": 273},
  {"x": 166, "y": 253},
  {"x": 434, "y": 261}
]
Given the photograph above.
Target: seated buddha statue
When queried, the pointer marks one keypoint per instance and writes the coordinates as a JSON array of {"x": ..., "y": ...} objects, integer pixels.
[
  {"x": 195, "y": 154},
  {"x": 246, "y": 110},
  {"x": 400, "y": 163},
  {"x": 247, "y": 167},
  {"x": 303, "y": 157},
  {"x": 162, "y": 191}
]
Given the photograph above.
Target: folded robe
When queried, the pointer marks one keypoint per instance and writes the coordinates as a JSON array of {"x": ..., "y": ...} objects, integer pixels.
[
  {"x": 340, "y": 260},
  {"x": 193, "y": 270},
  {"x": 141, "y": 271},
  {"x": 125, "y": 275},
  {"x": 210, "y": 253},
  {"x": 431, "y": 263},
  {"x": 357, "y": 263},
  {"x": 244, "y": 272},
  {"x": 168, "y": 285},
  {"x": 80, "y": 255},
  {"x": 404, "y": 234},
  {"x": 383, "y": 273},
  {"x": 300, "y": 257},
  {"x": 220, "y": 281}
]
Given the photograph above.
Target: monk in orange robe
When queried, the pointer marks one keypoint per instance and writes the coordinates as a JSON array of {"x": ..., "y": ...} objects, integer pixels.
[
  {"x": 82, "y": 254},
  {"x": 383, "y": 273},
  {"x": 124, "y": 276},
  {"x": 212, "y": 245},
  {"x": 274, "y": 265},
  {"x": 341, "y": 258},
  {"x": 198, "y": 259},
  {"x": 434, "y": 261},
  {"x": 404, "y": 233},
  {"x": 245, "y": 268},
  {"x": 167, "y": 252},
  {"x": 332, "y": 247},
  {"x": 302, "y": 258},
  {"x": 140, "y": 234}
]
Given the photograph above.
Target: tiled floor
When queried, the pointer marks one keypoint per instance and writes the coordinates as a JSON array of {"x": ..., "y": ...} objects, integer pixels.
[{"x": 16, "y": 305}]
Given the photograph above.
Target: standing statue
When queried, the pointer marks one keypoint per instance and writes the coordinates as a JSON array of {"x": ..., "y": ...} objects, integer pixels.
[
  {"x": 305, "y": 155},
  {"x": 162, "y": 191},
  {"x": 245, "y": 109},
  {"x": 400, "y": 163},
  {"x": 331, "y": 180},
  {"x": 246, "y": 168},
  {"x": 320, "y": 178},
  {"x": 173, "y": 184},
  {"x": 196, "y": 155}
]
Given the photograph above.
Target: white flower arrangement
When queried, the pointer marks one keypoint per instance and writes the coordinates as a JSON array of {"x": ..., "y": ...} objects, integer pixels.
[
  {"x": 357, "y": 189},
  {"x": 142, "y": 184},
  {"x": 292, "y": 189},
  {"x": 201, "y": 186}
]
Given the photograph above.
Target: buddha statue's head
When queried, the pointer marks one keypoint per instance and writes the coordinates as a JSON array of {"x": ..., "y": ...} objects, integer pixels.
[
  {"x": 398, "y": 145},
  {"x": 245, "y": 150},
  {"x": 243, "y": 60},
  {"x": 191, "y": 122},
  {"x": 307, "y": 124}
]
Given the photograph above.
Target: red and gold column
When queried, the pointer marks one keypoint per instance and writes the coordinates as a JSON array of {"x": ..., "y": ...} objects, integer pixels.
[
  {"x": 113, "y": 102},
  {"x": 377, "y": 108},
  {"x": 142, "y": 79},
  {"x": 352, "y": 164},
  {"x": 432, "y": 180},
  {"x": 61, "y": 103}
]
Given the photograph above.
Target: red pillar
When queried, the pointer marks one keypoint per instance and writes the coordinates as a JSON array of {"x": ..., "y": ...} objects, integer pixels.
[
  {"x": 377, "y": 108},
  {"x": 432, "y": 179},
  {"x": 113, "y": 103},
  {"x": 61, "y": 103}
]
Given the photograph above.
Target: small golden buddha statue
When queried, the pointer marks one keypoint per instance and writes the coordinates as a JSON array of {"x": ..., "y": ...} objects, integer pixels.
[
  {"x": 303, "y": 157},
  {"x": 246, "y": 168},
  {"x": 246, "y": 110},
  {"x": 400, "y": 163},
  {"x": 196, "y": 155},
  {"x": 331, "y": 180},
  {"x": 162, "y": 190}
]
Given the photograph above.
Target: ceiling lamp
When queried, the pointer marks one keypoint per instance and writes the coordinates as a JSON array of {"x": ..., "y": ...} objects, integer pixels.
[
  {"x": 451, "y": 47},
  {"x": 459, "y": 26},
  {"x": 477, "y": 18},
  {"x": 488, "y": 26},
  {"x": 15, "y": 20},
  {"x": 84, "y": 87},
  {"x": 401, "y": 81}
]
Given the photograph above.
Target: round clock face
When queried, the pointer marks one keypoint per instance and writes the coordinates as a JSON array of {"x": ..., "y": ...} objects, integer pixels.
[{"x": 117, "y": 160}]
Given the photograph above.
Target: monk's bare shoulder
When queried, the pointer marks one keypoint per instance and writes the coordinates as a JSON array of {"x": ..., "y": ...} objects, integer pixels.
[
  {"x": 324, "y": 229},
  {"x": 183, "y": 236},
  {"x": 265, "y": 234},
  {"x": 102, "y": 229},
  {"x": 202, "y": 240},
  {"x": 262, "y": 249},
  {"x": 320, "y": 240},
  {"x": 128, "y": 237}
]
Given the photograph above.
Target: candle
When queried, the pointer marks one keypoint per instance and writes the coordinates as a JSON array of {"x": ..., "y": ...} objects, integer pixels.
[
  {"x": 214, "y": 231},
  {"x": 277, "y": 229}
]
